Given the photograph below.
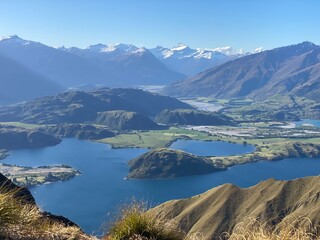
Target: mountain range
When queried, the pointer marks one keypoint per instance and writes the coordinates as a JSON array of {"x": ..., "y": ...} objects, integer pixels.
[
  {"x": 293, "y": 69},
  {"x": 48, "y": 69},
  {"x": 39, "y": 70},
  {"x": 183, "y": 59}
]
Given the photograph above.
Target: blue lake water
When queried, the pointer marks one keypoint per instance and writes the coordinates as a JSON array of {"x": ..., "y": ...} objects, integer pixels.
[
  {"x": 212, "y": 148},
  {"x": 315, "y": 123},
  {"x": 91, "y": 198}
]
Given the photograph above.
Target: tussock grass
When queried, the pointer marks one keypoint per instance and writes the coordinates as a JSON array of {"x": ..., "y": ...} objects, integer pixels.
[
  {"x": 134, "y": 223},
  {"x": 252, "y": 229},
  {"x": 24, "y": 221}
]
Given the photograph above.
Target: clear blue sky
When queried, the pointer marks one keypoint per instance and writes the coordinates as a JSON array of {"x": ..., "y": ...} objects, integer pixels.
[{"x": 199, "y": 23}]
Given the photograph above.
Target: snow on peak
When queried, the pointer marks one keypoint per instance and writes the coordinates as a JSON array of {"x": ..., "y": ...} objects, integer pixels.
[
  {"x": 229, "y": 51},
  {"x": 180, "y": 47},
  {"x": 139, "y": 51},
  {"x": 258, "y": 50},
  {"x": 97, "y": 47},
  {"x": 15, "y": 39},
  {"x": 120, "y": 47}
]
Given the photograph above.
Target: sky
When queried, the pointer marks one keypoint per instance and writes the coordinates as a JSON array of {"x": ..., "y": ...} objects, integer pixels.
[{"x": 246, "y": 24}]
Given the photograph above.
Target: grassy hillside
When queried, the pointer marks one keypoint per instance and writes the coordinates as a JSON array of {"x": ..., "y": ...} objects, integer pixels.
[
  {"x": 278, "y": 204},
  {"x": 123, "y": 120},
  {"x": 193, "y": 117}
]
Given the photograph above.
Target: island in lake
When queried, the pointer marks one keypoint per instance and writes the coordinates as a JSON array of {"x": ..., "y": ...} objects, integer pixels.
[{"x": 30, "y": 176}]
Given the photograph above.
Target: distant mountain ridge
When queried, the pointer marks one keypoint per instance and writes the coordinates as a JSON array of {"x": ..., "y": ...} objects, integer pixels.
[
  {"x": 117, "y": 109},
  {"x": 131, "y": 65},
  {"x": 115, "y": 65},
  {"x": 19, "y": 83},
  {"x": 184, "y": 59},
  {"x": 75, "y": 67},
  {"x": 293, "y": 69}
]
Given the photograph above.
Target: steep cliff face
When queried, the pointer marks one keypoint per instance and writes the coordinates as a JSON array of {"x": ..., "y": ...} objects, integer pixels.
[{"x": 218, "y": 210}]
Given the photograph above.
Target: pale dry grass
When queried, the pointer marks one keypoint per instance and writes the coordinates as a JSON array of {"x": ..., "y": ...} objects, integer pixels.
[
  {"x": 252, "y": 229},
  {"x": 134, "y": 223},
  {"x": 22, "y": 221}
]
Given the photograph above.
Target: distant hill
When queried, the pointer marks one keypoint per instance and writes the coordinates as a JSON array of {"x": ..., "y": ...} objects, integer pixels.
[
  {"x": 292, "y": 69},
  {"x": 124, "y": 120},
  {"x": 18, "y": 83},
  {"x": 17, "y": 138},
  {"x": 168, "y": 163},
  {"x": 80, "y": 131},
  {"x": 93, "y": 107},
  {"x": 277, "y": 203},
  {"x": 149, "y": 103},
  {"x": 193, "y": 117}
]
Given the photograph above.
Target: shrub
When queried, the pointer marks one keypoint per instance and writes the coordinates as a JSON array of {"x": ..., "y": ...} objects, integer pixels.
[{"x": 134, "y": 223}]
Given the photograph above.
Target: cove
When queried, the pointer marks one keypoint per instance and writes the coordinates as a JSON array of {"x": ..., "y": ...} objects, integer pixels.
[{"x": 92, "y": 198}]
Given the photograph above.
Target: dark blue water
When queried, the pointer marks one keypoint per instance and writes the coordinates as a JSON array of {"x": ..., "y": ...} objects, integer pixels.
[
  {"x": 212, "y": 148},
  {"x": 88, "y": 199},
  {"x": 315, "y": 123}
]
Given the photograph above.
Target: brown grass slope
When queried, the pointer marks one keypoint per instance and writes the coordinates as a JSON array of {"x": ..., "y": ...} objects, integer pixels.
[{"x": 220, "y": 209}]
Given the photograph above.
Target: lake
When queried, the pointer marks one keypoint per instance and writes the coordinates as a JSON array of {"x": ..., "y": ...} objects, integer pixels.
[
  {"x": 313, "y": 122},
  {"x": 92, "y": 198},
  {"x": 212, "y": 148}
]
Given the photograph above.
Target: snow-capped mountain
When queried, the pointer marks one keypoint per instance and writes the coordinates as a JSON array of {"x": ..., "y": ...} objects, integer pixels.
[
  {"x": 109, "y": 65},
  {"x": 188, "y": 61},
  {"x": 133, "y": 65},
  {"x": 112, "y": 65}
]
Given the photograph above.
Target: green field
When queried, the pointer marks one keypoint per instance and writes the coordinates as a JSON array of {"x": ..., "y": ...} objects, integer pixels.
[{"x": 153, "y": 139}]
